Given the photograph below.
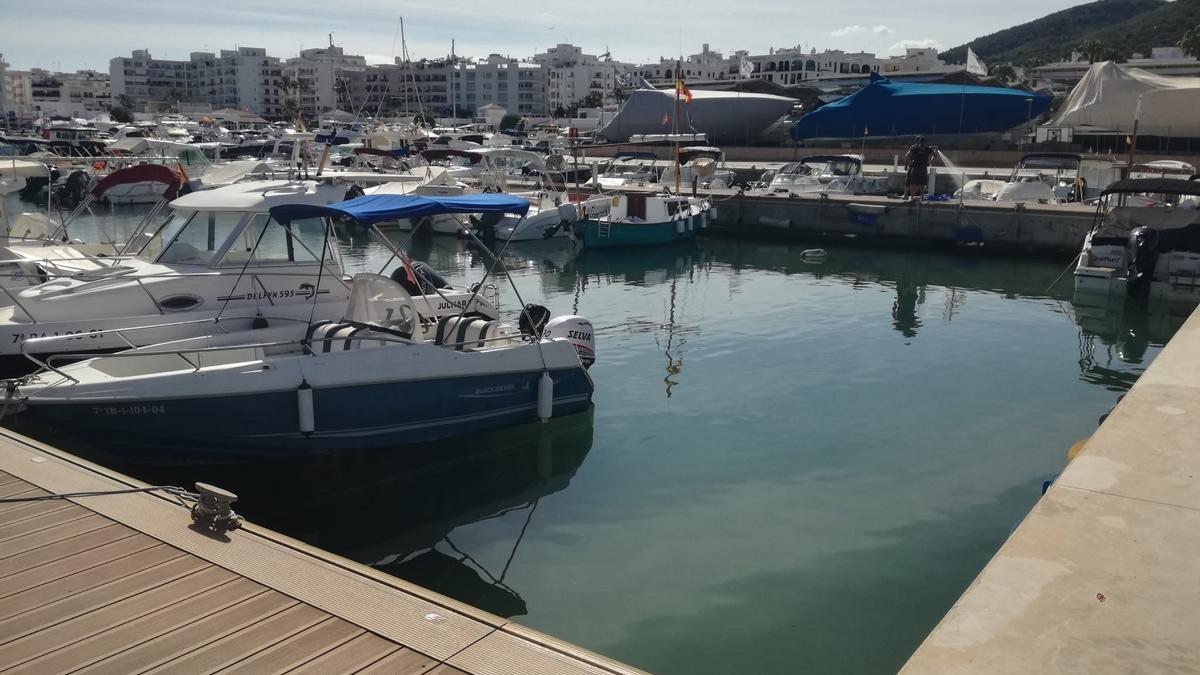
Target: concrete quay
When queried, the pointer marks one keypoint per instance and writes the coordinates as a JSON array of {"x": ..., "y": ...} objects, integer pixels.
[
  {"x": 1037, "y": 228},
  {"x": 1101, "y": 575}
]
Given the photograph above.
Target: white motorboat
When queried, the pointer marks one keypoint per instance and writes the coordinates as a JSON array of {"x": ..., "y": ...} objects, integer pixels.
[
  {"x": 1146, "y": 242},
  {"x": 373, "y": 377},
  {"x": 1044, "y": 177},
  {"x": 841, "y": 174},
  {"x": 627, "y": 169},
  {"x": 218, "y": 255},
  {"x": 701, "y": 166}
]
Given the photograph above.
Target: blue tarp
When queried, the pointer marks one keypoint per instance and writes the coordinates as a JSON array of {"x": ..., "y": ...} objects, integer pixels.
[
  {"x": 886, "y": 108},
  {"x": 375, "y": 208}
]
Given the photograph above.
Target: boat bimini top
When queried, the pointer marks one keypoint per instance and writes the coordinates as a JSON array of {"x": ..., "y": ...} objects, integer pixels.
[{"x": 372, "y": 209}]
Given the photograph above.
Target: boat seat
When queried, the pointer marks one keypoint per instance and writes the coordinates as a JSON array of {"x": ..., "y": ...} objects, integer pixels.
[
  {"x": 328, "y": 336},
  {"x": 466, "y": 332}
]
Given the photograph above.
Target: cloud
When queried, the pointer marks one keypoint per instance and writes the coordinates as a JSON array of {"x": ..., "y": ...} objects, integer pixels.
[
  {"x": 906, "y": 44},
  {"x": 847, "y": 31}
]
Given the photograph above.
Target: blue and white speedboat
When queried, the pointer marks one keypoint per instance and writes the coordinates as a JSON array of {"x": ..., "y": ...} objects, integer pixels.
[{"x": 379, "y": 376}]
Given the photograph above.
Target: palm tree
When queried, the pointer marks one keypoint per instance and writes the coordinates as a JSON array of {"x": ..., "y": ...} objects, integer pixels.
[
  {"x": 1093, "y": 50},
  {"x": 125, "y": 101},
  {"x": 1190, "y": 42},
  {"x": 291, "y": 109}
]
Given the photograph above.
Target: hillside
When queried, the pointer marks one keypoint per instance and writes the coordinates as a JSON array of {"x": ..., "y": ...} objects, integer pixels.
[{"x": 1126, "y": 25}]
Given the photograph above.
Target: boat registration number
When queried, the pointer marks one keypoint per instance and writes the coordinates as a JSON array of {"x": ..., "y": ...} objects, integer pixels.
[
  {"x": 124, "y": 410},
  {"x": 73, "y": 334}
]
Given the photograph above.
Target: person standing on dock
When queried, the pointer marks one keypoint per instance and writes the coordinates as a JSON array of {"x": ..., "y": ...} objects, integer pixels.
[{"x": 916, "y": 163}]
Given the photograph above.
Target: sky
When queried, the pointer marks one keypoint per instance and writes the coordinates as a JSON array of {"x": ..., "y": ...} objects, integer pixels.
[{"x": 87, "y": 34}]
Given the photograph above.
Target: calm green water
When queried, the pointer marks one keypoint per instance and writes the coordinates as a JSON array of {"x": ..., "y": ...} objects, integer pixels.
[{"x": 788, "y": 466}]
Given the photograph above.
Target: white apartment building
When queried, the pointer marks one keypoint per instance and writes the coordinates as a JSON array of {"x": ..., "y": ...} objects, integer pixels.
[
  {"x": 30, "y": 94},
  {"x": 572, "y": 76},
  {"x": 325, "y": 79},
  {"x": 519, "y": 86},
  {"x": 697, "y": 69},
  {"x": 4, "y": 96},
  {"x": 144, "y": 78},
  {"x": 243, "y": 78}
]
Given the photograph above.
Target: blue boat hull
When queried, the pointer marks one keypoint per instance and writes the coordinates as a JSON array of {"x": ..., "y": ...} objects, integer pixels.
[
  {"x": 368, "y": 416},
  {"x": 622, "y": 234}
]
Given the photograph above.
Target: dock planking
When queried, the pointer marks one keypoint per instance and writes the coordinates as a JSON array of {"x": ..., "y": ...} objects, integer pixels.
[{"x": 121, "y": 583}]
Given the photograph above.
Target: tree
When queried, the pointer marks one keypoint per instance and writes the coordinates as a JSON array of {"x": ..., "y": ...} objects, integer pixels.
[
  {"x": 510, "y": 121},
  {"x": 125, "y": 101},
  {"x": 1092, "y": 50},
  {"x": 1031, "y": 63},
  {"x": 120, "y": 114},
  {"x": 291, "y": 109},
  {"x": 1003, "y": 72},
  {"x": 1190, "y": 42}
]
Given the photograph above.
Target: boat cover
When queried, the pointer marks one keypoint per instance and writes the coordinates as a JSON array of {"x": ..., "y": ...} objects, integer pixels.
[
  {"x": 141, "y": 173},
  {"x": 1107, "y": 99},
  {"x": 886, "y": 108},
  {"x": 1167, "y": 186},
  {"x": 376, "y": 208}
]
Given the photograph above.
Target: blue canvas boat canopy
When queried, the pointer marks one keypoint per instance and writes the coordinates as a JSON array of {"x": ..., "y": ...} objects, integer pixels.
[
  {"x": 886, "y": 108},
  {"x": 377, "y": 208}
]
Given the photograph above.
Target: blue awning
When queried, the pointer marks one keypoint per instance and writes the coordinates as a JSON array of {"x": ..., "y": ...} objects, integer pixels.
[
  {"x": 886, "y": 108},
  {"x": 376, "y": 208}
]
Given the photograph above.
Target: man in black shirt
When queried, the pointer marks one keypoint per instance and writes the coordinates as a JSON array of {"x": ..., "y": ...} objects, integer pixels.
[{"x": 916, "y": 163}]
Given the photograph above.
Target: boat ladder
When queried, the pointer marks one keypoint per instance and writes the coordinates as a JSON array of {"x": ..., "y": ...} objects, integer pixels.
[{"x": 604, "y": 228}]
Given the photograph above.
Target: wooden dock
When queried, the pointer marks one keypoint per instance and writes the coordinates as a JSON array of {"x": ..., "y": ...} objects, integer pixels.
[{"x": 124, "y": 584}]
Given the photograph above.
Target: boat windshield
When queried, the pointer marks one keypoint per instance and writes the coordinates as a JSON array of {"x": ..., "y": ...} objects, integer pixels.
[{"x": 192, "y": 237}]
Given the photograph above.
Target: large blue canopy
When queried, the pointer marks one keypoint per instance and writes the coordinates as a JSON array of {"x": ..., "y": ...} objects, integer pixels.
[
  {"x": 886, "y": 108},
  {"x": 375, "y": 208}
]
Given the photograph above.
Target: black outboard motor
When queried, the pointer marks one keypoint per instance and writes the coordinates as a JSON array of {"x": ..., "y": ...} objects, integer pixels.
[
  {"x": 485, "y": 228},
  {"x": 423, "y": 280},
  {"x": 74, "y": 189},
  {"x": 1143, "y": 253},
  {"x": 533, "y": 320}
]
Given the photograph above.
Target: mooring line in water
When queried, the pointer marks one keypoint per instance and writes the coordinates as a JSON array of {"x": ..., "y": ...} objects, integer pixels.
[{"x": 1060, "y": 274}]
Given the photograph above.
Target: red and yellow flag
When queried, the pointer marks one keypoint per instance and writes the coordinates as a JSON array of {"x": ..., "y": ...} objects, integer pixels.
[
  {"x": 183, "y": 177},
  {"x": 682, "y": 90}
]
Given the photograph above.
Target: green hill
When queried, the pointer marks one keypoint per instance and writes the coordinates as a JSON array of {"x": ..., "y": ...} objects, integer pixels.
[{"x": 1127, "y": 26}]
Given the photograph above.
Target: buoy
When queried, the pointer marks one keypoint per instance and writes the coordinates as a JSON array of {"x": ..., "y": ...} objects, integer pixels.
[
  {"x": 813, "y": 253},
  {"x": 304, "y": 400},
  {"x": 1071, "y": 454},
  {"x": 545, "y": 403}
]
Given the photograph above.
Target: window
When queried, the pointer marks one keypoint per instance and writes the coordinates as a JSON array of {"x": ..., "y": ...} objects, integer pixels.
[
  {"x": 200, "y": 237},
  {"x": 302, "y": 242}
]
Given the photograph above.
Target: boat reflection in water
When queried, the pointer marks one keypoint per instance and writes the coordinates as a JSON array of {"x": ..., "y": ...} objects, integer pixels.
[
  {"x": 1115, "y": 330},
  {"x": 395, "y": 509}
]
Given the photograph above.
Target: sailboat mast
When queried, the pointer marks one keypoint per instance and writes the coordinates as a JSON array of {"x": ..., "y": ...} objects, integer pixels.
[{"x": 678, "y": 86}]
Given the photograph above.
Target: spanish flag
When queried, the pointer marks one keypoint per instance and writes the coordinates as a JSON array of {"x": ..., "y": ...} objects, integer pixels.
[
  {"x": 183, "y": 177},
  {"x": 682, "y": 90}
]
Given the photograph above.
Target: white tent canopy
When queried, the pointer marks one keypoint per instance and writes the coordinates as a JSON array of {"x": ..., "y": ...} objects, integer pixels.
[{"x": 1106, "y": 99}]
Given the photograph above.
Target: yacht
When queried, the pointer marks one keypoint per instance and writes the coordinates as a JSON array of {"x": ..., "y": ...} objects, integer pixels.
[{"x": 627, "y": 169}]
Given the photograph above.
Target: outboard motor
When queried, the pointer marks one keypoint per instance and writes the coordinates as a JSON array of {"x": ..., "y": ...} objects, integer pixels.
[
  {"x": 1143, "y": 253},
  {"x": 73, "y": 190},
  {"x": 422, "y": 281},
  {"x": 576, "y": 330},
  {"x": 533, "y": 320}
]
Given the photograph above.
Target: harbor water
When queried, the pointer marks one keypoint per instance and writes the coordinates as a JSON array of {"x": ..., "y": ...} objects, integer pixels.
[{"x": 791, "y": 464}]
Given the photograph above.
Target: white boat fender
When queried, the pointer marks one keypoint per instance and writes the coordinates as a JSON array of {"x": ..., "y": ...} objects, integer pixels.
[
  {"x": 304, "y": 400},
  {"x": 712, "y": 213},
  {"x": 680, "y": 226},
  {"x": 813, "y": 253},
  {"x": 545, "y": 402}
]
